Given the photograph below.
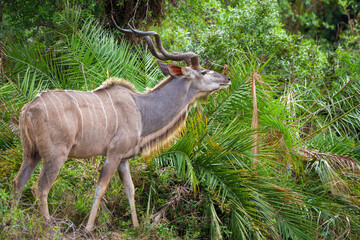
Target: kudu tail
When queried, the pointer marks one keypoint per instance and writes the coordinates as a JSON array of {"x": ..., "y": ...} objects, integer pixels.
[
  {"x": 14, "y": 126},
  {"x": 27, "y": 134}
]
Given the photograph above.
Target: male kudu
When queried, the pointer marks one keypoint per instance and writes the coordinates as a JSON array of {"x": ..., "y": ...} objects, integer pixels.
[{"x": 113, "y": 120}]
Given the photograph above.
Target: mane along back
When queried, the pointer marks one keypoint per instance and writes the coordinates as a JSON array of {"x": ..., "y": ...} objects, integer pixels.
[
  {"x": 116, "y": 81},
  {"x": 160, "y": 84}
]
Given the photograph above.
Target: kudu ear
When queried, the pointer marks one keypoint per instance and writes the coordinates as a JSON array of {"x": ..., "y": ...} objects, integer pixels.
[
  {"x": 176, "y": 71},
  {"x": 164, "y": 68}
]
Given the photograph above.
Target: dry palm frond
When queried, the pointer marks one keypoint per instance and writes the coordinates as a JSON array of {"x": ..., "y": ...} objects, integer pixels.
[
  {"x": 255, "y": 77},
  {"x": 337, "y": 161},
  {"x": 326, "y": 164}
]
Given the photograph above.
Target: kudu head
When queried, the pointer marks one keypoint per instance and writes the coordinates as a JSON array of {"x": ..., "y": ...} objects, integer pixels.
[{"x": 202, "y": 80}]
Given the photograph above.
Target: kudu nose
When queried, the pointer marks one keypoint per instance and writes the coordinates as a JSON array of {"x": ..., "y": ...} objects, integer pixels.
[{"x": 229, "y": 79}]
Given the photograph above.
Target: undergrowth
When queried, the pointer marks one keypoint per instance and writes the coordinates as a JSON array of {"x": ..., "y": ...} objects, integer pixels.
[{"x": 70, "y": 200}]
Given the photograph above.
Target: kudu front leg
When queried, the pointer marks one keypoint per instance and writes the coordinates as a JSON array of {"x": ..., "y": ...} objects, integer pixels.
[
  {"x": 124, "y": 172},
  {"x": 106, "y": 173}
]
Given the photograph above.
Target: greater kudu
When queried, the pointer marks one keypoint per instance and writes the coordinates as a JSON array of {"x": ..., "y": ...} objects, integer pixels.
[{"x": 113, "y": 120}]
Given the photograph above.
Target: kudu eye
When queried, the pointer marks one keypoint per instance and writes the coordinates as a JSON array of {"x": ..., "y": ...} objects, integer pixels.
[{"x": 203, "y": 72}]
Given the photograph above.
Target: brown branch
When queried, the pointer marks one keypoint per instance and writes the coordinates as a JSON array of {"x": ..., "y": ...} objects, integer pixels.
[
  {"x": 2, "y": 60},
  {"x": 180, "y": 192},
  {"x": 298, "y": 22},
  {"x": 1, "y": 12},
  {"x": 351, "y": 24}
]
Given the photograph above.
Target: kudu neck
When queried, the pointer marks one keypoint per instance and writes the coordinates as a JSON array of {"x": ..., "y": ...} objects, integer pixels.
[{"x": 162, "y": 106}]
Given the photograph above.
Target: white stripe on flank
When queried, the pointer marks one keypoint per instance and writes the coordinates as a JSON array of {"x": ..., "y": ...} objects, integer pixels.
[
  {"x": 57, "y": 110},
  {"x": 64, "y": 113},
  {"x": 93, "y": 107},
  {"x": 102, "y": 105},
  {"x": 87, "y": 104},
  {"x": 116, "y": 115},
  {"x": 47, "y": 114},
  {"x": 82, "y": 120}
]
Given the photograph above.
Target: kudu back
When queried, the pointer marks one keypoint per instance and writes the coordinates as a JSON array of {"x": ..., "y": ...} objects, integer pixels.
[{"x": 113, "y": 120}]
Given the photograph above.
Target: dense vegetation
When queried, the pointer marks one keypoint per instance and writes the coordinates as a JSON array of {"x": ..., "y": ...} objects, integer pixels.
[{"x": 275, "y": 156}]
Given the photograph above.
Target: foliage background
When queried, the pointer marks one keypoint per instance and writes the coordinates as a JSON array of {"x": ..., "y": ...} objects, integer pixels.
[{"x": 275, "y": 156}]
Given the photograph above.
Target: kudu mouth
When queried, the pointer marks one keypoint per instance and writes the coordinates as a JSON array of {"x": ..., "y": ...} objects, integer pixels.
[{"x": 226, "y": 84}]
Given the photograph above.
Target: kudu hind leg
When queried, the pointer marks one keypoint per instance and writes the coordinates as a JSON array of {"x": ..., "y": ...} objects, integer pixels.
[
  {"x": 124, "y": 173},
  {"x": 27, "y": 167},
  {"x": 46, "y": 179}
]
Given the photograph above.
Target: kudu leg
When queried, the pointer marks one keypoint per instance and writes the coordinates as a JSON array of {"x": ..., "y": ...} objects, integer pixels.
[
  {"x": 124, "y": 172},
  {"x": 106, "y": 173},
  {"x": 51, "y": 168},
  {"x": 27, "y": 167}
]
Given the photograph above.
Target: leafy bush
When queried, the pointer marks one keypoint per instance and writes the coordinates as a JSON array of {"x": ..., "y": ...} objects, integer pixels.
[{"x": 218, "y": 32}]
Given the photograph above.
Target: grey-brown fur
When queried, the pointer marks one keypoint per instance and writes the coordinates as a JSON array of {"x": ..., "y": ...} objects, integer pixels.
[{"x": 114, "y": 121}]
